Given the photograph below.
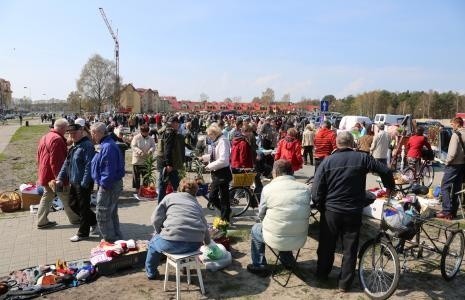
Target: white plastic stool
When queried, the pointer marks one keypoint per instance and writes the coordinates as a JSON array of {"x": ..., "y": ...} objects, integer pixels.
[{"x": 179, "y": 261}]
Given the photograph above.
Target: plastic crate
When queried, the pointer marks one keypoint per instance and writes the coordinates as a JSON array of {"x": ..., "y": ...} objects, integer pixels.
[
  {"x": 243, "y": 179},
  {"x": 125, "y": 261}
]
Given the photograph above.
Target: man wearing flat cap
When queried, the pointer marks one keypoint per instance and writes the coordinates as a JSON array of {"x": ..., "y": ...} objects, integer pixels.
[{"x": 170, "y": 156}]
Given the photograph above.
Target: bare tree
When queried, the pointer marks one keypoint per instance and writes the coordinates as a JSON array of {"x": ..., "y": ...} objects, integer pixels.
[
  {"x": 268, "y": 96},
  {"x": 97, "y": 82},
  {"x": 204, "y": 97}
]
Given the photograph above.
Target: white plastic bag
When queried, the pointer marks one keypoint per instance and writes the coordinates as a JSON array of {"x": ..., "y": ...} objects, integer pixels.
[{"x": 215, "y": 265}]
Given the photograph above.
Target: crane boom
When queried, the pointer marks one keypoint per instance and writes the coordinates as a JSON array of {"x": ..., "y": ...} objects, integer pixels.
[{"x": 115, "y": 38}]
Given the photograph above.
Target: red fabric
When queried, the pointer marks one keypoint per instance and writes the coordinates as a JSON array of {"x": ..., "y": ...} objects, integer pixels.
[
  {"x": 241, "y": 154},
  {"x": 51, "y": 154},
  {"x": 290, "y": 149},
  {"x": 325, "y": 142},
  {"x": 414, "y": 145}
]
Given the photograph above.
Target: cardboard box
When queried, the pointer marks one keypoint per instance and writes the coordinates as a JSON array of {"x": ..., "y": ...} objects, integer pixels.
[{"x": 29, "y": 199}]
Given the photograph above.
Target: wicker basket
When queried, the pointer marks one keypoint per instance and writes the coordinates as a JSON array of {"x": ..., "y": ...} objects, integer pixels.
[
  {"x": 243, "y": 179},
  {"x": 10, "y": 201}
]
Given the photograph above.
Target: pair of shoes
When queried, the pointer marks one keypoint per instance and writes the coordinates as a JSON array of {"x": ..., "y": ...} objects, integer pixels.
[
  {"x": 305, "y": 163},
  {"x": 47, "y": 225},
  {"x": 94, "y": 230},
  {"x": 343, "y": 290},
  {"x": 444, "y": 215},
  {"x": 261, "y": 271},
  {"x": 77, "y": 238}
]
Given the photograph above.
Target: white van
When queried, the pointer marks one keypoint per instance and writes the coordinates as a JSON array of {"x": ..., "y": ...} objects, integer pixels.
[
  {"x": 348, "y": 122},
  {"x": 388, "y": 119}
]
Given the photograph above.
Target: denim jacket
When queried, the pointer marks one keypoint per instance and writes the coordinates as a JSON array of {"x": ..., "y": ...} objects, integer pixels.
[{"x": 76, "y": 167}]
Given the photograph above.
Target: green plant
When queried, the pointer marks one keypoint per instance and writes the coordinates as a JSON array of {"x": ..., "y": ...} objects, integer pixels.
[{"x": 150, "y": 175}]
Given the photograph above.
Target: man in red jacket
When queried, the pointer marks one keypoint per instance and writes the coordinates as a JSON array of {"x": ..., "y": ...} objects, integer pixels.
[
  {"x": 51, "y": 154},
  {"x": 325, "y": 143}
]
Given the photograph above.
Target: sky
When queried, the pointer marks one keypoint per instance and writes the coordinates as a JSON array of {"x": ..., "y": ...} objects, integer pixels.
[{"x": 237, "y": 48}]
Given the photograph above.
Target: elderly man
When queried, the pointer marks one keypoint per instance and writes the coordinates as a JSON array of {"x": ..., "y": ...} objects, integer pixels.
[
  {"x": 180, "y": 226},
  {"x": 51, "y": 154},
  {"x": 107, "y": 172},
  {"x": 76, "y": 169},
  {"x": 284, "y": 210},
  {"x": 339, "y": 193},
  {"x": 453, "y": 173}
]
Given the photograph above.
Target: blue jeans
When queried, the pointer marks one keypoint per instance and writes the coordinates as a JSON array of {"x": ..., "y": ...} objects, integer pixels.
[
  {"x": 173, "y": 177},
  {"x": 258, "y": 249},
  {"x": 107, "y": 212},
  {"x": 451, "y": 184},
  {"x": 157, "y": 245}
]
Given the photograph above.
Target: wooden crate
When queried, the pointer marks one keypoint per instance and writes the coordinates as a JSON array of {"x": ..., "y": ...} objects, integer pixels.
[{"x": 29, "y": 199}]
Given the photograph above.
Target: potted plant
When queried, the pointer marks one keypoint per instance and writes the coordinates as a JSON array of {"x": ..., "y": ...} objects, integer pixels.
[{"x": 147, "y": 190}]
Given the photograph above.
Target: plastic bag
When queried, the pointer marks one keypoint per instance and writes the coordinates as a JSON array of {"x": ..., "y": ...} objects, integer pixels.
[
  {"x": 215, "y": 265},
  {"x": 213, "y": 252},
  {"x": 395, "y": 218}
]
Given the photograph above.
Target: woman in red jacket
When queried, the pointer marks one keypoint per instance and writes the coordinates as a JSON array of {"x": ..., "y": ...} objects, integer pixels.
[
  {"x": 414, "y": 145},
  {"x": 289, "y": 148},
  {"x": 241, "y": 150}
]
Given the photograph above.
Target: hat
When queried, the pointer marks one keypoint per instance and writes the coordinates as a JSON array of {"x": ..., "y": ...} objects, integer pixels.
[
  {"x": 80, "y": 121},
  {"x": 74, "y": 127},
  {"x": 173, "y": 119}
]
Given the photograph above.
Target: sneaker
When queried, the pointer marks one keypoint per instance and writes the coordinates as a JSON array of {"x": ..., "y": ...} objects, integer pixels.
[
  {"x": 445, "y": 215},
  {"x": 77, "y": 238},
  {"x": 261, "y": 271},
  {"x": 47, "y": 225},
  {"x": 94, "y": 230}
]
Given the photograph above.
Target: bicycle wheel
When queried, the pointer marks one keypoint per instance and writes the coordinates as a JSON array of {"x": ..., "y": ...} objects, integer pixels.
[
  {"x": 452, "y": 255},
  {"x": 378, "y": 269},
  {"x": 239, "y": 197},
  {"x": 427, "y": 175}
]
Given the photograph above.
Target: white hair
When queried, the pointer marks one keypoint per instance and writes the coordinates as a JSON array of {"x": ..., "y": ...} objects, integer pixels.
[
  {"x": 60, "y": 124},
  {"x": 99, "y": 127},
  {"x": 344, "y": 139}
]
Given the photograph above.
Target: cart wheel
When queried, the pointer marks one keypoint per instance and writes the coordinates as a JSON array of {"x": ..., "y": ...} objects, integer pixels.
[
  {"x": 239, "y": 197},
  {"x": 427, "y": 176},
  {"x": 378, "y": 269},
  {"x": 452, "y": 255}
]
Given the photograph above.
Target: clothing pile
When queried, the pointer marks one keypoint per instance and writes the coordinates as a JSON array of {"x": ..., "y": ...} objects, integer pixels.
[
  {"x": 36, "y": 281},
  {"x": 106, "y": 251}
]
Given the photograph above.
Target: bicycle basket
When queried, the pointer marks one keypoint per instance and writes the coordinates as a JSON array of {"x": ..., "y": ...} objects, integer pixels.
[
  {"x": 427, "y": 154},
  {"x": 243, "y": 179},
  {"x": 396, "y": 222}
]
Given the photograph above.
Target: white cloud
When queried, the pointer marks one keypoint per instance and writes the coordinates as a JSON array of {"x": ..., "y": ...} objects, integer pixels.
[{"x": 266, "y": 79}]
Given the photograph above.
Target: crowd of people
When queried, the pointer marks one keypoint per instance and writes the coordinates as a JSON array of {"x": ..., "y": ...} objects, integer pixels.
[{"x": 72, "y": 167}]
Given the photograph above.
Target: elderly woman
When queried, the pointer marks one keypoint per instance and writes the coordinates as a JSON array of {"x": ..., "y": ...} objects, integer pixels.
[
  {"x": 218, "y": 164},
  {"x": 142, "y": 146},
  {"x": 180, "y": 226},
  {"x": 289, "y": 148}
]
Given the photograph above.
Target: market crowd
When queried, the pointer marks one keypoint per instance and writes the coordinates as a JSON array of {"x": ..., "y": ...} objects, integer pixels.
[{"x": 79, "y": 155}]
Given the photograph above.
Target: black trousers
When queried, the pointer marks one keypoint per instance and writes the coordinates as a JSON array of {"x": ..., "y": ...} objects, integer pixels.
[
  {"x": 308, "y": 151},
  {"x": 79, "y": 200},
  {"x": 334, "y": 226},
  {"x": 317, "y": 163},
  {"x": 138, "y": 173},
  {"x": 219, "y": 193}
]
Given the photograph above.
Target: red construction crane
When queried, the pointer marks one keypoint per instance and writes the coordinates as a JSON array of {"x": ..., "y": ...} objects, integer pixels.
[{"x": 115, "y": 38}]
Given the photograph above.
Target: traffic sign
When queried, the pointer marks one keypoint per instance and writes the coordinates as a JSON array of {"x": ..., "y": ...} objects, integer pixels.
[{"x": 324, "y": 105}]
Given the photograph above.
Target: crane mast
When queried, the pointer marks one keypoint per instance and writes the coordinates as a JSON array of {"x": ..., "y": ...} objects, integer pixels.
[{"x": 115, "y": 38}]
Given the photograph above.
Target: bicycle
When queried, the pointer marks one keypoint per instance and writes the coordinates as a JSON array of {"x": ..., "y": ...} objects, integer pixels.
[
  {"x": 241, "y": 194},
  {"x": 424, "y": 175},
  {"x": 379, "y": 266}
]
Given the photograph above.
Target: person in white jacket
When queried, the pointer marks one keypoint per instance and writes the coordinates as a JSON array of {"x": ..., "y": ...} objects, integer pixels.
[
  {"x": 218, "y": 164},
  {"x": 380, "y": 145},
  {"x": 142, "y": 146},
  {"x": 284, "y": 210}
]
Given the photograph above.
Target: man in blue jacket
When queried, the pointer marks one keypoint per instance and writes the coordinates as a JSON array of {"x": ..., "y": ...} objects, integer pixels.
[
  {"x": 107, "y": 172},
  {"x": 76, "y": 169},
  {"x": 338, "y": 192}
]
